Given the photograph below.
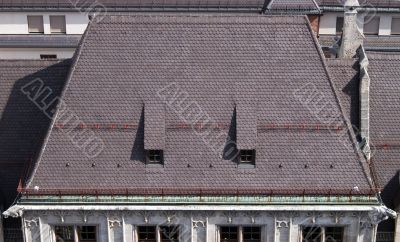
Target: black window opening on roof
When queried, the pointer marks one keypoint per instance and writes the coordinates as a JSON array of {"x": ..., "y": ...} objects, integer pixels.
[
  {"x": 322, "y": 234},
  {"x": 339, "y": 25},
  {"x": 147, "y": 233},
  {"x": 247, "y": 157},
  {"x": 155, "y": 157},
  {"x": 169, "y": 233},
  {"x": 47, "y": 57}
]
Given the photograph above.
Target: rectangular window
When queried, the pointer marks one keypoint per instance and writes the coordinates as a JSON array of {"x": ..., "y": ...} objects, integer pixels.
[
  {"x": 147, "y": 233},
  {"x": 35, "y": 24},
  {"x": 396, "y": 26},
  {"x": 155, "y": 156},
  {"x": 251, "y": 234},
  {"x": 87, "y": 233},
  {"x": 247, "y": 156},
  {"x": 339, "y": 25},
  {"x": 334, "y": 234},
  {"x": 169, "y": 233},
  {"x": 46, "y": 57},
  {"x": 57, "y": 25},
  {"x": 322, "y": 234},
  {"x": 229, "y": 234},
  {"x": 64, "y": 233},
  {"x": 371, "y": 25}
]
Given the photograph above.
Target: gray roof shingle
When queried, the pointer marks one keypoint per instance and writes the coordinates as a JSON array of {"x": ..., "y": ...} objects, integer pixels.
[{"x": 218, "y": 63}]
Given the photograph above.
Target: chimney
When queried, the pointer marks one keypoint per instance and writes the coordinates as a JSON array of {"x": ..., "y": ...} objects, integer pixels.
[{"x": 352, "y": 38}]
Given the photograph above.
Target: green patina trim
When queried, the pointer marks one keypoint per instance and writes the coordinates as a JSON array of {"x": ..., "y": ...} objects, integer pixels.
[{"x": 267, "y": 199}]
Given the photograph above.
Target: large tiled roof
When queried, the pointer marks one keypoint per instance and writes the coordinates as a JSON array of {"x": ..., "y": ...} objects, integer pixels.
[
  {"x": 384, "y": 70},
  {"x": 250, "y": 75},
  {"x": 23, "y": 125}
]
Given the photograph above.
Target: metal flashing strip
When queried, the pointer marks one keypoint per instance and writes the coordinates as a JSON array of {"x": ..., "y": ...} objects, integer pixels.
[{"x": 223, "y": 200}]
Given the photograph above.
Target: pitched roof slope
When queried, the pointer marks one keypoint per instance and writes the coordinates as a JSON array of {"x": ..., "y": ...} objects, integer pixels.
[
  {"x": 345, "y": 75},
  {"x": 229, "y": 67},
  {"x": 23, "y": 125},
  {"x": 384, "y": 70}
]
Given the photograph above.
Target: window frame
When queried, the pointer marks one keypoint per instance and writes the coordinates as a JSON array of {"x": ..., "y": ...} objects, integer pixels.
[
  {"x": 391, "y": 29},
  {"x": 160, "y": 233},
  {"x": 375, "y": 33},
  {"x": 41, "y": 28},
  {"x": 323, "y": 231},
  {"x": 63, "y": 30},
  {"x": 339, "y": 32},
  {"x": 77, "y": 237},
  {"x": 154, "y": 162},
  {"x": 250, "y": 155},
  {"x": 156, "y": 231},
  {"x": 240, "y": 231}
]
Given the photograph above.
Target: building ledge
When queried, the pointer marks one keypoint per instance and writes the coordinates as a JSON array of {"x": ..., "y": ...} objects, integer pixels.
[{"x": 39, "y": 41}]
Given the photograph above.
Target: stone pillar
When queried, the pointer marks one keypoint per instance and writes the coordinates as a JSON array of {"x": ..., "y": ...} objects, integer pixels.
[
  {"x": 364, "y": 102},
  {"x": 1, "y": 224},
  {"x": 352, "y": 38},
  {"x": 397, "y": 230}
]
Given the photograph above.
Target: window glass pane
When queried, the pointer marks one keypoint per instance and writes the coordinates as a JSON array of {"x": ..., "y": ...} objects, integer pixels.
[
  {"x": 155, "y": 156},
  {"x": 64, "y": 233},
  {"x": 147, "y": 233},
  {"x": 169, "y": 233},
  {"x": 251, "y": 234},
  {"x": 312, "y": 234},
  {"x": 229, "y": 234},
  {"x": 247, "y": 156},
  {"x": 87, "y": 233},
  {"x": 334, "y": 234},
  {"x": 339, "y": 25},
  {"x": 396, "y": 26},
  {"x": 371, "y": 25},
  {"x": 57, "y": 24},
  {"x": 35, "y": 24}
]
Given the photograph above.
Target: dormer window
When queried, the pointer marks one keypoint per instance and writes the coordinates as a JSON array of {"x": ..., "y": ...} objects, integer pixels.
[
  {"x": 247, "y": 156},
  {"x": 154, "y": 156}
]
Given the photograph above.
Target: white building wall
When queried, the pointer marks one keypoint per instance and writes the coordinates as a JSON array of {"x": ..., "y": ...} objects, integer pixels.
[
  {"x": 198, "y": 226},
  {"x": 328, "y": 23},
  {"x": 17, "y": 22},
  {"x": 34, "y": 53}
]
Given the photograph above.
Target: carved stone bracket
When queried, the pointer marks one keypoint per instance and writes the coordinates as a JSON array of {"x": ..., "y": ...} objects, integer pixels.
[
  {"x": 282, "y": 224},
  {"x": 229, "y": 216},
  {"x": 252, "y": 215},
  {"x": 112, "y": 223},
  {"x": 146, "y": 216},
  {"x": 170, "y": 216},
  {"x": 337, "y": 215},
  {"x": 84, "y": 214},
  {"x": 32, "y": 222},
  {"x": 199, "y": 223},
  {"x": 314, "y": 215},
  {"x": 62, "y": 214}
]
